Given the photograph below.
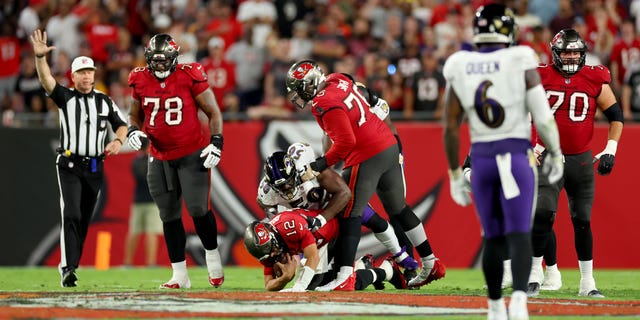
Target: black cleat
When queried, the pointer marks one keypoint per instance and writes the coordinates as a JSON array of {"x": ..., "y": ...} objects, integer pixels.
[
  {"x": 69, "y": 279},
  {"x": 397, "y": 279},
  {"x": 533, "y": 289}
]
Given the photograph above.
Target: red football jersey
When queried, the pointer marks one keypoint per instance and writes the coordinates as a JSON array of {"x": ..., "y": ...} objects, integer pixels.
[
  {"x": 573, "y": 103},
  {"x": 292, "y": 227},
  {"x": 170, "y": 110},
  {"x": 343, "y": 113}
]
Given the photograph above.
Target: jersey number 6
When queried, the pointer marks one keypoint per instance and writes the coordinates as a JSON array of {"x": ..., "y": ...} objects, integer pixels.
[{"x": 489, "y": 110}]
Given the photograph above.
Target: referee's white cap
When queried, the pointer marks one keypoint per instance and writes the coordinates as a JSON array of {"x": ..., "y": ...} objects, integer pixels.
[{"x": 82, "y": 62}]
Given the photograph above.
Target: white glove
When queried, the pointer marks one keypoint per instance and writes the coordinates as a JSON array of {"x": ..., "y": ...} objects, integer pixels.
[
  {"x": 553, "y": 166},
  {"x": 459, "y": 185},
  {"x": 134, "y": 139},
  {"x": 212, "y": 156}
]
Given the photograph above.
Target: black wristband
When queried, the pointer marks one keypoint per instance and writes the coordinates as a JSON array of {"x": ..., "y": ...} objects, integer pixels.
[
  {"x": 217, "y": 140},
  {"x": 131, "y": 129},
  {"x": 319, "y": 165},
  {"x": 40, "y": 55},
  {"x": 398, "y": 141},
  {"x": 118, "y": 139}
]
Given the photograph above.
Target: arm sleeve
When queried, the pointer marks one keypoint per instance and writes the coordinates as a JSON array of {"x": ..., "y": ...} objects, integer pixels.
[{"x": 339, "y": 130}]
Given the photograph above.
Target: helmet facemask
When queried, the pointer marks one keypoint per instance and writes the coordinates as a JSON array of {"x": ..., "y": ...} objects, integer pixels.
[
  {"x": 568, "y": 40},
  {"x": 161, "y": 54}
]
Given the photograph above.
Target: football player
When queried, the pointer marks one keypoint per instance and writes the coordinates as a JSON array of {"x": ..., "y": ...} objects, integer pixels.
[
  {"x": 278, "y": 243},
  {"x": 166, "y": 98},
  {"x": 370, "y": 154},
  {"x": 498, "y": 88},
  {"x": 575, "y": 92},
  {"x": 289, "y": 183}
]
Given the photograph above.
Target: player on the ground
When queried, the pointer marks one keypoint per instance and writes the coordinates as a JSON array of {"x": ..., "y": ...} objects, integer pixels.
[
  {"x": 278, "y": 243},
  {"x": 575, "y": 93},
  {"x": 497, "y": 87},
  {"x": 288, "y": 183},
  {"x": 370, "y": 154}
]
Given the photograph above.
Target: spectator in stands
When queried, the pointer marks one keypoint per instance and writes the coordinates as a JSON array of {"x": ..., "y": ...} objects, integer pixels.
[
  {"x": 329, "y": 44},
  {"x": 29, "y": 18},
  {"x": 625, "y": 52},
  {"x": 630, "y": 97},
  {"x": 249, "y": 60},
  {"x": 565, "y": 17},
  {"x": 260, "y": 16},
  {"x": 220, "y": 72},
  {"x": 275, "y": 104},
  {"x": 10, "y": 62},
  {"x": 300, "y": 45},
  {"x": 424, "y": 89},
  {"x": 28, "y": 86},
  {"x": 63, "y": 30}
]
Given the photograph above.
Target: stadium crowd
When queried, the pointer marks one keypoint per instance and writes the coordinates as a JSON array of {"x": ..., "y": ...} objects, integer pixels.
[{"x": 397, "y": 47}]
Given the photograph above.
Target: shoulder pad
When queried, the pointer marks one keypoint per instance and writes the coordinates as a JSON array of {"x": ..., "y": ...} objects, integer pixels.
[
  {"x": 194, "y": 70},
  {"x": 136, "y": 74},
  {"x": 602, "y": 73}
]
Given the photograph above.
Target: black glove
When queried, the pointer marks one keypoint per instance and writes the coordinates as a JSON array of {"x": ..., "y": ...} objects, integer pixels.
[
  {"x": 606, "y": 164},
  {"x": 217, "y": 140},
  {"x": 319, "y": 165},
  {"x": 315, "y": 223}
]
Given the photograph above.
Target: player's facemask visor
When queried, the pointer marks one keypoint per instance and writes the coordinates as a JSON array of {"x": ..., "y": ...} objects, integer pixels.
[
  {"x": 297, "y": 101},
  {"x": 287, "y": 188},
  {"x": 275, "y": 256}
]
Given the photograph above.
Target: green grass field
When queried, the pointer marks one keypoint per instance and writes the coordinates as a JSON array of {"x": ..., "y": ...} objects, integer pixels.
[
  {"x": 617, "y": 285},
  {"x": 614, "y": 284}
]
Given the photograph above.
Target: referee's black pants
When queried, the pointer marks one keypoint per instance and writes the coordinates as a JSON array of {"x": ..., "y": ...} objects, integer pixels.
[{"x": 79, "y": 181}]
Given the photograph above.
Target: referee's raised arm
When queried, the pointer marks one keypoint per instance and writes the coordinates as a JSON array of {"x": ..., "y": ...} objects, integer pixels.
[{"x": 40, "y": 49}]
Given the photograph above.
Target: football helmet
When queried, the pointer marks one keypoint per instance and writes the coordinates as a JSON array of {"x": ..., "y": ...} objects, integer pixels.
[
  {"x": 280, "y": 174},
  {"x": 161, "y": 54},
  {"x": 568, "y": 40},
  {"x": 494, "y": 23},
  {"x": 263, "y": 242},
  {"x": 303, "y": 81}
]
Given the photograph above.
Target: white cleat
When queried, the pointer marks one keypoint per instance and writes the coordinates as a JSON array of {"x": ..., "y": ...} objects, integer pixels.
[
  {"x": 518, "y": 306},
  {"x": 497, "y": 310},
  {"x": 588, "y": 289},
  {"x": 175, "y": 283},
  {"x": 552, "y": 280}
]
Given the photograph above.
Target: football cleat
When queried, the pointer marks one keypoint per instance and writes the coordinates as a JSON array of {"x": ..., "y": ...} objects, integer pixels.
[
  {"x": 428, "y": 275},
  {"x": 348, "y": 284},
  {"x": 69, "y": 279},
  {"x": 497, "y": 310},
  {"x": 518, "y": 306},
  {"x": 397, "y": 279},
  {"x": 216, "y": 282},
  {"x": 177, "y": 284},
  {"x": 588, "y": 289},
  {"x": 365, "y": 262},
  {"x": 533, "y": 289}
]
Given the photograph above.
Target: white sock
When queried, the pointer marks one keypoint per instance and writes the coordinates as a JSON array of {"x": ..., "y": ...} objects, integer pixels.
[
  {"x": 428, "y": 261},
  {"x": 536, "y": 261},
  {"x": 417, "y": 235},
  {"x": 344, "y": 272},
  {"x": 586, "y": 269},
  {"x": 214, "y": 262},
  {"x": 389, "y": 240},
  {"x": 388, "y": 269},
  {"x": 553, "y": 268},
  {"x": 179, "y": 269}
]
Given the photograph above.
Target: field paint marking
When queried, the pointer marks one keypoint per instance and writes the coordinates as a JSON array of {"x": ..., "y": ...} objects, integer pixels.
[{"x": 169, "y": 303}]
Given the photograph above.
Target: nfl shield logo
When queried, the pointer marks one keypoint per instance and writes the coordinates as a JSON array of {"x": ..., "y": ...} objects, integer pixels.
[{"x": 162, "y": 85}]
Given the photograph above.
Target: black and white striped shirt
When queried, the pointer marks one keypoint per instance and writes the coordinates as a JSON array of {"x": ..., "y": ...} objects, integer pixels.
[{"x": 83, "y": 120}]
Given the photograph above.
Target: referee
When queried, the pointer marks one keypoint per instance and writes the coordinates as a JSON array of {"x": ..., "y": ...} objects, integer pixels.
[{"x": 84, "y": 113}]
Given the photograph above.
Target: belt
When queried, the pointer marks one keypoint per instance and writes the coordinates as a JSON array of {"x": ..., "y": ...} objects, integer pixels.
[{"x": 87, "y": 161}]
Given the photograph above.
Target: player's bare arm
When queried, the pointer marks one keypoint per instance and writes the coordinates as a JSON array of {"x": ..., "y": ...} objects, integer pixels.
[
  {"x": 333, "y": 183},
  {"x": 206, "y": 101},
  {"x": 532, "y": 78},
  {"x": 453, "y": 114},
  {"x": 135, "y": 114}
]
